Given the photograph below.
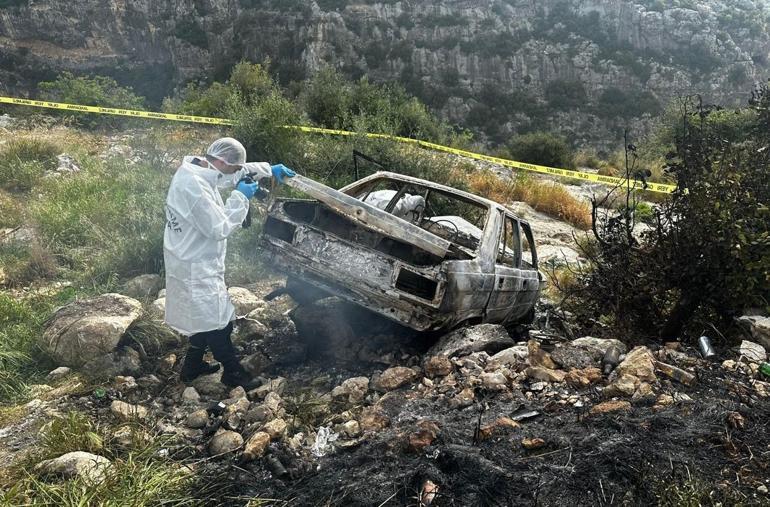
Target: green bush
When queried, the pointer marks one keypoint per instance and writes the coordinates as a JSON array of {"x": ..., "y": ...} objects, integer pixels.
[
  {"x": 191, "y": 32},
  {"x": 708, "y": 257},
  {"x": 91, "y": 91},
  {"x": 541, "y": 148},
  {"x": 564, "y": 95}
]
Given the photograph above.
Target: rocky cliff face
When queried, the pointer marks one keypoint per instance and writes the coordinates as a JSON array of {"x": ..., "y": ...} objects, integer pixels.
[{"x": 585, "y": 67}]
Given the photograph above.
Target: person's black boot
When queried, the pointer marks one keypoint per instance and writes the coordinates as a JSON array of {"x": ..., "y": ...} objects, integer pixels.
[
  {"x": 233, "y": 375},
  {"x": 194, "y": 366}
]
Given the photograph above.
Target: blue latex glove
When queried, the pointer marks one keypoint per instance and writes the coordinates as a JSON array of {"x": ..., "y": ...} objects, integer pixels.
[
  {"x": 280, "y": 172},
  {"x": 247, "y": 189}
]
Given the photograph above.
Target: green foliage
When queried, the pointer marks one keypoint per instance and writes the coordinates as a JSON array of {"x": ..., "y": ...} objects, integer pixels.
[
  {"x": 565, "y": 95},
  {"x": 247, "y": 84},
  {"x": 5, "y": 4},
  {"x": 105, "y": 221},
  {"x": 333, "y": 102},
  {"x": 707, "y": 258},
  {"x": 541, "y": 148},
  {"x": 615, "y": 102},
  {"x": 21, "y": 323},
  {"x": 23, "y": 161},
  {"x": 73, "y": 432},
  {"x": 11, "y": 214},
  {"x": 91, "y": 91},
  {"x": 27, "y": 262},
  {"x": 190, "y": 31}
]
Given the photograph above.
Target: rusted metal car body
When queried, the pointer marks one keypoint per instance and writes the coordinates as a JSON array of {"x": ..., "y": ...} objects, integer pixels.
[{"x": 425, "y": 255}]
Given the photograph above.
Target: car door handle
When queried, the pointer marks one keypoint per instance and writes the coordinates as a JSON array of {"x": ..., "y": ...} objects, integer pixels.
[{"x": 500, "y": 282}]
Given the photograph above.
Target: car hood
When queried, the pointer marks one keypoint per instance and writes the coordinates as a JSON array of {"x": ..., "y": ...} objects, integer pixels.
[{"x": 370, "y": 216}]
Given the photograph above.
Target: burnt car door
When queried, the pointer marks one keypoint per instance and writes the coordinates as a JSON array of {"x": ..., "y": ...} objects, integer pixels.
[{"x": 511, "y": 296}]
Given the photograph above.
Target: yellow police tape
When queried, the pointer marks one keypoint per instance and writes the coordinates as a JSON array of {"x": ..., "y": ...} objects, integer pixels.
[
  {"x": 552, "y": 171},
  {"x": 116, "y": 111}
]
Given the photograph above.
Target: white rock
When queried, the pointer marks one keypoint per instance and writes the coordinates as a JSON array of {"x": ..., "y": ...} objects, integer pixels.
[
  {"x": 244, "y": 300},
  {"x": 127, "y": 412},
  {"x": 225, "y": 441},
  {"x": 60, "y": 372},
  {"x": 190, "y": 394},
  {"x": 759, "y": 327},
  {"x": 753, "y": 352},
  {"x": 143, "y": 286},
  {"x": 89, "y": 328},
  {"x": 90, "y": 467}
]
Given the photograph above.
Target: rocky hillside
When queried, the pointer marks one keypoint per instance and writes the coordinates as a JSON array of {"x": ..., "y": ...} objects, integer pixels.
[{"x": 584, "y": 67}]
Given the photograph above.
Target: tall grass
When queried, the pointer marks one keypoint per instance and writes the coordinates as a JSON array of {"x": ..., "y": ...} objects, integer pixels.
[
  {"x": 21, "y": 324},
  {"x": 105, "y": 221},
  {"x": 24, "y": 160},
  {"x": 549, "y": 197}
]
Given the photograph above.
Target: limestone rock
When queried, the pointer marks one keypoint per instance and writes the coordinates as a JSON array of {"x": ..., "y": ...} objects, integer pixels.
[
  {"x": 570, "y": 356},
  {"x": 191, "y": 395},
  {"x": 580, "y": 378},
  {"x": 497, "y": 426},
  {"x": 753, "y": 352},
  {"x": 352, "y": 390},
  {"x": 373, "y": 419},
  {"x": 624, "y": 385},
  {"x": 491, "y": 338},
  {"x": 545, "y": 374},
  {"x": 89, "y": 328},
  {"x": 157, "y": 308},
  {"x": 611, "y": 406},
  {"x": 250, "y": 328},
  {"x": 759, "y": 327},
  {"x": 427, "y": 432},
  {"x": 127, "y": 412},
  {"x": 276, "y": 385},
  {"x": 437, "y": 366},
  {"x": 275, "y": 428},
  {"x": 123, "y": 361},
  {"x": 244, "y": 300},
  {"x": 256, "y": 445},
  {"x": 143, "y": 286},
  {"x": 225, "y": 441},
  {"x": 464, "y": 398},
  {"x": 674, "y": 373},
  {"x": 58, "y": 373},
  {"x": 602, "y": 344},
  {"x": 393, "y": 378},
  {"x": 512, "y": 357},
  {"x": 640, "y": 363},
  {"x": 350, "y": 429},
  {"x": 209, "y": 385},
  {"x": 198, "y": 419},
  {"x": 531, "y": 444},
  {"x": 90, "y": 467},
  {"x": 494, "y": 381},
  {"x": 538, "y": 357}
]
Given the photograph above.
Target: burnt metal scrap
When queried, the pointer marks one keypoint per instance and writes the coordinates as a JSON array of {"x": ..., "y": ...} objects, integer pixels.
[{"x": 423, "y": 254}]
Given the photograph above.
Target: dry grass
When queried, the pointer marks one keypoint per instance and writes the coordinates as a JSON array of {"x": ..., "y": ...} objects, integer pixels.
[{"x": 548, "y": 197}]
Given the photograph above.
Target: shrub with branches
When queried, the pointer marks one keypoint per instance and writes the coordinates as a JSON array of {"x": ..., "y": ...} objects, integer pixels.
[{"x": 706, "y": 257}]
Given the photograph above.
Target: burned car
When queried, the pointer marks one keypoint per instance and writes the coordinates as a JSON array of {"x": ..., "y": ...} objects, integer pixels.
[{"x": 425, "y": 255}]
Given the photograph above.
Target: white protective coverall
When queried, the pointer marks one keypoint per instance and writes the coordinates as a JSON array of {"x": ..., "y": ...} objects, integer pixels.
[{"x": 198, "y": 223}]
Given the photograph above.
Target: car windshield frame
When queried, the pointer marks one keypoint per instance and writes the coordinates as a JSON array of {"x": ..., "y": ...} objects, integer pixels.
[{"x": 362, "y": 189}]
